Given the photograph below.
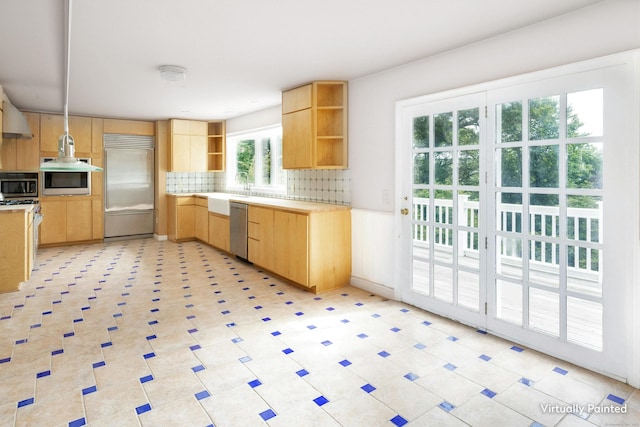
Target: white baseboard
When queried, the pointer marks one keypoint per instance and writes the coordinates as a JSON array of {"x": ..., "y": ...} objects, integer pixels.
[
  {"x": 160, "y": 237},
  {"x": 374, "y": 288}
]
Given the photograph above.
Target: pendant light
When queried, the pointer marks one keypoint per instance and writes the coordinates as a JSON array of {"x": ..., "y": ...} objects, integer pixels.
[{"x": 66, "y": 160}]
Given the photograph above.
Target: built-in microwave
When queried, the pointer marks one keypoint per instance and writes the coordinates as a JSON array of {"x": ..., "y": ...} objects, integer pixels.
[
  {"x": 66, "y": 183},
  {"x": 19, "y": 184}
]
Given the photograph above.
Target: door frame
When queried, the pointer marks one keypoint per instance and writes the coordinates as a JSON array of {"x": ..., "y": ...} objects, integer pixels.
[{"x": 628, "y": 293}]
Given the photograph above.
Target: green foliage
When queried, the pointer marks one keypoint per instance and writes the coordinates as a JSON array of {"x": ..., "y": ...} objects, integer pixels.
[{"x": 246, "y": 161}]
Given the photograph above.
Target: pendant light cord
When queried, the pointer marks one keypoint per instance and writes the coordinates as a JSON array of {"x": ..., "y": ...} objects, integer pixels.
[{"x": 68, "y": 66}]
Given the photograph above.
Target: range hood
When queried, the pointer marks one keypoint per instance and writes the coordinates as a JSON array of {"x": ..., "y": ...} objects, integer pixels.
[
  {"x": 14, "y": 124},
  {"x": 66, "y": 160}
]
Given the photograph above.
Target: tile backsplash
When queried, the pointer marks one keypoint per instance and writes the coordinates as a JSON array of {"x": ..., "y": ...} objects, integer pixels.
[
  {"x": 190, "y": 182},
  {"x": 326, "y": 186}
]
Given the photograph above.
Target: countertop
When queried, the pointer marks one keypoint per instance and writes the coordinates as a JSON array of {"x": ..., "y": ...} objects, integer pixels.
[
  {"x": 11, "y": 208},
  {"x": 271, "y": 202}
]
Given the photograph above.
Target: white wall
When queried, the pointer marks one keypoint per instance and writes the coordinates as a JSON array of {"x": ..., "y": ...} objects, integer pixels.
[{"x": 607, "y": 27}]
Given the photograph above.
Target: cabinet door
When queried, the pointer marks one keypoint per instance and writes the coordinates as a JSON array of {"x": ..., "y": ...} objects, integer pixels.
[
  {"x": 185, "y": 222},
  {"x": 261, "y": 229},
  {"x": 198, "y": 153},
  {"x": 202, "y": 223},
  {"x": 52, "y": 126},
  {"x": 297, "y": 99},
  {"x": 297, "y": 140},
  {"x": 28, "y": 150},
  {"x": 219, "y": 232},
  {"x": 180, "y": 153},
  {"x": 53, "y": 228},
  {"x": 79, "y": 220},
  {"x": 291, "y": 253}
]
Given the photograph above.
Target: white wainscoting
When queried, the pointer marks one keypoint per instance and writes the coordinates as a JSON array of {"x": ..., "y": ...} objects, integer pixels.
[{"x": 373, "y": 248}]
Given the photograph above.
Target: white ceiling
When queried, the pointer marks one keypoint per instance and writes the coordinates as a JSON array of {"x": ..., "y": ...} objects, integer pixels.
[{"x": 239, "y": 54}]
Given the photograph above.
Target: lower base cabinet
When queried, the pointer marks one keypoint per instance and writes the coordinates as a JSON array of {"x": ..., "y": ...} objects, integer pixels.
[
  {"x": 68, "y": 220},
  {"x": 219, "y": 232},
  {"x": 16, "y": 250},
  {"x": 310, "y": 249}
]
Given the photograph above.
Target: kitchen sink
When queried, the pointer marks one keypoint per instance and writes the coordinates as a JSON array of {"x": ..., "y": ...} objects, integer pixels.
[{"x": 219, "y": 202}]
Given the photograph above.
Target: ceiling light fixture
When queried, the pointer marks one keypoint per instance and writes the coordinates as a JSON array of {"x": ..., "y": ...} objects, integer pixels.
[
  {"x": 66, "y": 160},
  {"x": 172, "y": 73}
]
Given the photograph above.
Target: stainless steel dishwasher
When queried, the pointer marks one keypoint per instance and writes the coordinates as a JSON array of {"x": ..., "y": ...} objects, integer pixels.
[{"x": 238, "y": 229}]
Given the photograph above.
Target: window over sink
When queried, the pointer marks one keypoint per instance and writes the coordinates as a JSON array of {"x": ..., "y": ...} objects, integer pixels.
[{"x": 254, "y": 161}]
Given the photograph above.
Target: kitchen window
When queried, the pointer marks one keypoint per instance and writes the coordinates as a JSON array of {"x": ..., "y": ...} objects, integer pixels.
[{"x": 254, "y": 161}]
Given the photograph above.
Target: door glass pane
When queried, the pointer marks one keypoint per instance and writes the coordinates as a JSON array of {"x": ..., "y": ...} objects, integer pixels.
[
  {"x": 584, "y": 113},
  {"x": 469, "y": 290},
  {"x": 420, "y": 229},
  {"x": 443, "y": 128},
  {"x": 509, "y": 167},
  {"x": 509, "y": 256},
  {"x": 443, "y": 283},
  {"x": 421, "y": 132},
  {"x": 584, "y": 165},
  {"x": 421, "y": 276},
  {"x": 469, "y": 240},
  {"x": 584, "y": 218},
  {"x": 543, "y": 166},
  {"x": 544, "y": 311},
  {"x": 421, "y": 168},
  {"x": 468, "y": 167},
  {"x": 443, "y": 167},
  {"x": 584, "y": 322},
  {"x": 544, "y": 118},
  {"x": 509, "y": 122},
  {"x": 469, "y": 127},
  {"x": 509, "y": 301}
]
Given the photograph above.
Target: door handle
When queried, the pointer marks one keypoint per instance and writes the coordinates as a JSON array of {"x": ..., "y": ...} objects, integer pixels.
[{"x": 404, "y": 211}]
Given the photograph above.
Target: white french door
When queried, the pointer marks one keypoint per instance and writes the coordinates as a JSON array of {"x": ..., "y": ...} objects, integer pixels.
[{"x": 503, "y": 214}]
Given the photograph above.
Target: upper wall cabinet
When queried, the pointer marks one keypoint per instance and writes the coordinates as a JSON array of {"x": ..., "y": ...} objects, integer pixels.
[
  {"x": 52, "y": 126},
  {"x": 23, "y": 154},
  {"x": 196, "y": 146},
  {"x": 314, "y": 126}
]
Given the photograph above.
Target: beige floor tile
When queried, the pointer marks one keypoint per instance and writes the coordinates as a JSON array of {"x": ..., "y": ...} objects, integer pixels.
[
  {"x": 127, "y": 418},
  {"x": 488, "y": 374},
  {"x": 220, "y": 378},
  {"x": 162, "y": 391},
  {"x": 532, "y": 403},
  {"x": 570, "y": 391},
  {"x": 240, "y": 406},
  {"x": 359, "y": 409},
  {"x": 437, "y": 417},
  {"x": 106, "y": 402},
  {"x": 406, "y": 398},
  {"x": 169, "y": 364},
  {"x": 452, "y": 387},
  {"x": 180, "y": 412},
  {"x": 481, "y": 411},
  {"x": 8, "y": 415},
  {"x": 59, "y": 409}
]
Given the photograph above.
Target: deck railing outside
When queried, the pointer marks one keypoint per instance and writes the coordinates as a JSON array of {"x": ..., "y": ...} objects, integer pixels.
[{"x": 583, "y": 226}]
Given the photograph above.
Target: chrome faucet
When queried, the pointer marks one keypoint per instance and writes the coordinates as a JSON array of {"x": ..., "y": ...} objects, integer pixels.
[{"x": 247, "y": 184}]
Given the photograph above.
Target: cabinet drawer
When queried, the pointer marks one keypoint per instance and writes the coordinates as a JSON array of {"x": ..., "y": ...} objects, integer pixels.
[
  {"x": 253, "y": 230},
  {"x": 202, "y": 201},
  {"x": 181, "y": 201},
  {"x": 296, "y": 99}
]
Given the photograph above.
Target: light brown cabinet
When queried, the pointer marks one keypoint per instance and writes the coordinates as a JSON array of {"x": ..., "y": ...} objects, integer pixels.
[
  {"x": 260, "y": 236},
  {"x": 16, "y": 251},
  {"x": 314, "y": 126},
  {"x": 216, "y": 146},
  {"x": 219, "y": 231},
  {"x": 181, "y": 218},
  {"x": 52, "y": 126},
  {"x": 69, "y": 220},
  {"x": 311, "y": 249},
  {"x": 23, "y": 154},
  {"x": 201, "y": 219},
  {"x": 187, "y": 146},
  {"x": 196, "y": 146},
  {"x": 291, "y": 246}
]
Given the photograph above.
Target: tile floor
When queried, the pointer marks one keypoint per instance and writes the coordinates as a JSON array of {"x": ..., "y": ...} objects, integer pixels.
[{"x": 148, "y": 333}]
